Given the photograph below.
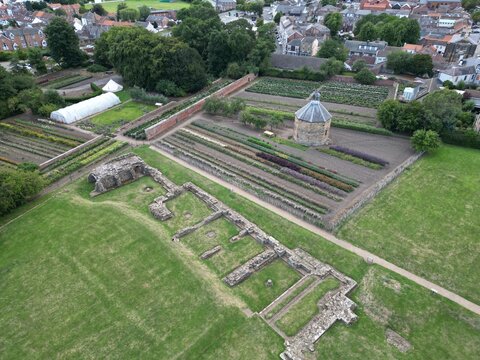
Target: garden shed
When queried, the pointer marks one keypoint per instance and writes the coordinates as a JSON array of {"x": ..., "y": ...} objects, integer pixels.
[{"x": 85, "y": 108}]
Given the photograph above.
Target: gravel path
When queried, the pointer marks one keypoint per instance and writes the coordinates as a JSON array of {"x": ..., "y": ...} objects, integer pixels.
[{"x": 374, "y": 259}]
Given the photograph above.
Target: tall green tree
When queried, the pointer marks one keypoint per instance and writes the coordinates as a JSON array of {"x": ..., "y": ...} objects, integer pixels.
[
  {"x": 443, "y": 106},
  {"x": 334, "y": 22},
  {"x": 421, "y": 64},
  {"x": 333, "y": 48},
  {"x": 399, "y": 61},
  {"x": 368, "y": 32},
  {"x": 144, "y": 12},
  {"x": 63, "y": 43}
]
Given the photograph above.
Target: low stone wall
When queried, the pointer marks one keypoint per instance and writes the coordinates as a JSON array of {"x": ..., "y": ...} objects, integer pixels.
[
  {"x": 69, "y": 152},
  {"x": 369, "y": 194},
  {"x": 167, "y": 124},
  {"x": 147, "y": 117}
]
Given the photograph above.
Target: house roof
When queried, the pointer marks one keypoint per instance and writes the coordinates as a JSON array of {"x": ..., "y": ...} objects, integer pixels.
[
  {"x": 459, "y": 71},
  {"x": 314, "y": 111},
  {"x": 412, "y": 47}
]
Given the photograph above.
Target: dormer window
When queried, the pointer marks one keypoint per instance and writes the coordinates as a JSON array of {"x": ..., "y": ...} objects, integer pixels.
[{"x": 12, "y": 36}]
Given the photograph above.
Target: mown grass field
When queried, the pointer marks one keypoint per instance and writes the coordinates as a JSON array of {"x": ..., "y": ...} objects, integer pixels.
[
  {"x": 111, "y": 6},
  {"x": 428, "y": 221},
  {"x": 100, "y": 278}
]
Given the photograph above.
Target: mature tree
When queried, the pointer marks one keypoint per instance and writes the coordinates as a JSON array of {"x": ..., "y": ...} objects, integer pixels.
[
  {"x": 425, "y": 140},
  {"x": 197, "y": 23},
  {"x": 329, "y": 2},
  {"x": 396, "y": 31},
  {"x": 35, "y": 58},
  {"x": 264, "y": 46},
  {"x": 368, "y": 32},
  {"x": 412, "y": 117},
  {"x": 359, "y": 65},
  {"x": 277, "y": 17},
  {"x": 388, "y": 113},
  {"x": 332, "y": 67},
  {"x": 476, "y": 16},
  {"x": 255, "y": 7},
  {"x": 99, "y": 10},
  {"x": 218, "y": 52},
  {"x": 63, "y": 43},
  {"x": 17, "y": 187},
  {"x": 421, "y": 64},
  {"x": 144, "y": 12},
  {"x": 443, "y": 106},
  {"x": 333, "y": 48},
  {"x": 334, "y": 22},
  {"x": 365, "y": 77},
  {"x": 470, "y": 4},
  {"x": 121, "y": 7},
  {"x": 144, "y": 59},
  {"x": 399, "y": 61},
  {"x": 129, "y": 15}
]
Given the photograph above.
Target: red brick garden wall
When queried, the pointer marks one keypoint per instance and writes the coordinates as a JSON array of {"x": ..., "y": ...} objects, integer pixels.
[{"x": 167, "y": 124}]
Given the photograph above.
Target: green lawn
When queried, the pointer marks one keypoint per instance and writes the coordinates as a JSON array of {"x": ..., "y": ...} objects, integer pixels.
[
  {"x": 100, "y": 278},
  {"x": 232, "y": 255},
  {"x": 111, "y": 6},
  {"x": 306, "y": 308},
  {"x": 435, "y": 327},
  {"x": 428, "y": 221},
  {"x": 254, "y": 291},
  {"x": 110, "y": 120}
]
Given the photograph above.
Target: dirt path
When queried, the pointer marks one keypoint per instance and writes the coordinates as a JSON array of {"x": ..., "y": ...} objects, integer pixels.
[{"x": 368, "y": 256}]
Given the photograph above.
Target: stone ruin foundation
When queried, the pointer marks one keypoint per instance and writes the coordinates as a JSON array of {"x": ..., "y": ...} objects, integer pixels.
[{"x": 334, "y": 306}]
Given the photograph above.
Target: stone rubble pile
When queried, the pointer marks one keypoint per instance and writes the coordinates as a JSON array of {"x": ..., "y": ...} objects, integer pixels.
[{"x": 209, "y": 253}]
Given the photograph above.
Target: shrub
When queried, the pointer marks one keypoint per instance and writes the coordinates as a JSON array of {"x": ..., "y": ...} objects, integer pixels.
[
  {"x": 96, "y": 68},
  {"x": 17, "y": 187},
  {"x": 425, "y": 140},
  {"x": 249, "y": 119},
  {"x": 223, "y": 106},
  {"x": 365, "y": 77},
  {"x": 234, "y": 71},
  {"x": 46, "y": 109},
  {"x": 169, "y": 88},
  {"x": 142, "y": 96}
]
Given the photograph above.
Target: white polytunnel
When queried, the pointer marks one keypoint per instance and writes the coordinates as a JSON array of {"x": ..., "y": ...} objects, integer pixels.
[{"x": 85, "y": 108}]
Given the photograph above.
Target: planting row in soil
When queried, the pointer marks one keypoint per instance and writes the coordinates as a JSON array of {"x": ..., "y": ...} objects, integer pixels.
[{"x": 335, "y": 92}]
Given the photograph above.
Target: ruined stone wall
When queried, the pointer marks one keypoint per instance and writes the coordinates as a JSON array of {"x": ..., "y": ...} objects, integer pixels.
[
  {"x": 167, "y": 124},
  {"x": 369, "y": 194}
]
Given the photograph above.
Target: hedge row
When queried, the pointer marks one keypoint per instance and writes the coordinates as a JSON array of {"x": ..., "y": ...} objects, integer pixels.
[
  {"x": 360, "y": 127},
  {"x": 294, "y": 74},
  {"x": 96, "y": 91},
  {"x": 467, "y": 138}
]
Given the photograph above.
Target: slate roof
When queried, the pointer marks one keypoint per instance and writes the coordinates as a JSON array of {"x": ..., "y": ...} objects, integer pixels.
[{"x": 314, "y": 111}]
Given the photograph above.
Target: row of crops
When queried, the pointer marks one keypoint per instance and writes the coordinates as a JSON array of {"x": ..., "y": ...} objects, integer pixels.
[
  {"x": 86, "y": 156},
  {"x": 33, "y": 141},
  {"x": 139, "y": 131},
  {"x": 304, "y": 189},
  {"x": 336, "y": 92}
]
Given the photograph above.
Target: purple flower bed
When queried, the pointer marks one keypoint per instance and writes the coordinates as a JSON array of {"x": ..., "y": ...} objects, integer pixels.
[
  {"x": 312, "y": 181},
  {"x": 359, "y": 155},
  {"x": 279, "y": 161}
]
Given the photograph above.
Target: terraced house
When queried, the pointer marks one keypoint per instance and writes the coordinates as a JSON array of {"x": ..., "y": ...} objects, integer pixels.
[{"x": 23, "y": 38}]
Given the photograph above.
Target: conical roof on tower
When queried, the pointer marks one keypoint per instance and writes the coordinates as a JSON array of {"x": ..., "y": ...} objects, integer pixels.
[{"x": 314, "y": 111}]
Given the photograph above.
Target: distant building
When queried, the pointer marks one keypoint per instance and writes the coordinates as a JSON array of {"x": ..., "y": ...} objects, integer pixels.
[
  {"x": 435, "y": 4},
  {"x": 225, "y": 5},
  {"x": 375, "y": 5},
  {"x": 22, "y": 38}
]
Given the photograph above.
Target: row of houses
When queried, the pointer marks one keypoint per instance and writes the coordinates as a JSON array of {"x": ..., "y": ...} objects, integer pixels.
[{"x": 23, "y": 29}]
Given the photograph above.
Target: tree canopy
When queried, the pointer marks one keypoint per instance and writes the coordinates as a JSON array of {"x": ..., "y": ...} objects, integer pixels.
[
  {"x": 402, "y": 62},
  {"x": 17, "y": 186},
  {"x": 144, "y": 59},
  {"x": 63, "y": 43},
  {"x": 394, "y": 30},
  {"x": 334, "y": 22},
  {"x": 333, "y": 48}
]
